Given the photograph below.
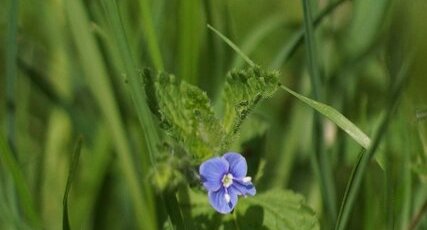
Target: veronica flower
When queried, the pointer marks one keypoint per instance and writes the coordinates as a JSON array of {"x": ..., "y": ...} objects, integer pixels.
[{"x": 225, "y": 179}]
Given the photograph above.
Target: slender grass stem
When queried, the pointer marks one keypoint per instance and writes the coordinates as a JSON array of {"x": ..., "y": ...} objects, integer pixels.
[
  {"x": 236, "y": 224},
  {"x": 11, "y": 71},
  {"x": 321, "y": 162},
  {"x": 418, "y": 216},
  {"x": 101, "y": 88},
  {"x": 150, "y": 131},
  {"x": 189, "y": 40},
  {"x": 215, "y": 74},
  {"x": 298, "y": 39},
  {"x": 353, "y": 185},
  {"x": 8, "y": 161},
  {"x": 151, "y": 37},
  {"x": 71, "y": 175},
  {"x": 233, "y": 46}
]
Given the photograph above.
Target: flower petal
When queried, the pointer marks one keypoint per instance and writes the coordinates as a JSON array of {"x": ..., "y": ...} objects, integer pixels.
[
  {"x": 218, "y": 201},
  {"x": 238, "y": 165},
  {"x": 212, "y": 171},
  {"x": 243, "y": 189}
]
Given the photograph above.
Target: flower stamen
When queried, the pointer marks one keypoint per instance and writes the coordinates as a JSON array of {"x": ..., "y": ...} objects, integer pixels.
[
  {"x": 227, "y": 180},
  {"x": 227, "y": 198},
  {"x": 247, "y": 179}
]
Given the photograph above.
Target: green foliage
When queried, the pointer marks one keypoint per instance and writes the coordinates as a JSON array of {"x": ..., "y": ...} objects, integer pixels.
[
  {"x": 71, "y": 68},
  {"x": 340, "y": 120},
  {"x": 283, "y": 209},
  {"x": 242, "y": 92},
  {"x": 186, "y": 114},
  {"x": 8, "y": 161},
  {"x": 274, "y": 209},
  {"x": 71, "y": 175}
]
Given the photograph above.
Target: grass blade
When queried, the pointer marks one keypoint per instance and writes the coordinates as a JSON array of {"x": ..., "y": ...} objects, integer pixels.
[
  {"x": 148, "y": 125},
  {"x": 319, "y": 158},
  {"x": 71, "y": 173},
  {"x": 138, "y": 96},
  {"x": 11, "y": 70},
  {"x": 189, "y": 40},
  {"x": 332, "y": 114},
  {"x": 359, "y": 169},
  {"x": 9, "y": 162},
  {"x": 233, "y": 46},
  {"x": 151, "y": 37},
  {"x": 297, "y": 40},
  {"x": 97, "y": 78},
  {"x": 418, "y": 217},
  {"x": 310, "y": 43},
  {"x": 326, "y": 110}
]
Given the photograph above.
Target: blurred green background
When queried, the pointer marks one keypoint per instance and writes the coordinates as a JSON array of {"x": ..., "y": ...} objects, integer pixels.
[{"x": 70, "y": 68}]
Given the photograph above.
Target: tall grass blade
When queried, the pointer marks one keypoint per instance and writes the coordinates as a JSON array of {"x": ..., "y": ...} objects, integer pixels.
[
  {"x": 189, "y": 39},
  {"x": 297, "y": 40},
  {"x": 97, "y": 79},
  {"x": 310, "y": 43},
  {"x": 332, "y": 114},
  {"x": 138, "y": 95},
  {"x": 326, "y": 110},
  {"x": 149, "y": 129},
  {"x": 359, "y": 169},
  {"x": 11, "y": 70},
  {"x": 7, "y": 160},
  {"x": 151, "y": 37},
  {"x": 71, "y": 174},
  {"x": 320, "y": 158},
  {"x": 233, "y": 46},
  {"x": 215, "y": 51}
]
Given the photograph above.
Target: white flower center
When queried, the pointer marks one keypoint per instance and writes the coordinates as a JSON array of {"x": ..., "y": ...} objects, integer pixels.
[{"x": 227, "y": 180}]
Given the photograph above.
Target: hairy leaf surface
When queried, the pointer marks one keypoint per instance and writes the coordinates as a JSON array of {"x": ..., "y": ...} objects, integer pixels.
[
  {"x": 186, "y": 114},
  {"x": 242, "y": 92}
]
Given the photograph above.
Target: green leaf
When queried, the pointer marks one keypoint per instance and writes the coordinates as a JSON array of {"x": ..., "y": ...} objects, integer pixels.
[
  {"x": 283, "y": 209},
  {"x": 254, "y": 127},
  {"x": 186, "y": 114},
  {"x": 274, "y": 209},
  {"x": 99, "y": 83},
  {"x": 340, "y": 120},
  {"x": 12, "y": 166},
  {"x": 71, "y": 175},
  {"x": 233, "y": 46},
  {"x": 242, "y": 92}
]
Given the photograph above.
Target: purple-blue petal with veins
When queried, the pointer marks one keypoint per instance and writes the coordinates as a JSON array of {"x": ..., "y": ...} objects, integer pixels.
[
  {"x": 212, "y": 171},
  {"x": 218, "y": 202},
  {"x": 243, "y": 189},
  {"x": 238, "y": 166}
]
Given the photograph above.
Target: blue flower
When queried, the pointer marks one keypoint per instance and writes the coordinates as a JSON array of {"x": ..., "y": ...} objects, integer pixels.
[{"x": 225, "y": 179}]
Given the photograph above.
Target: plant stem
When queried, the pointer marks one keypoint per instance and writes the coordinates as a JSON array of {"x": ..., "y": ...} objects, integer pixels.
[
  {"x": 151, "y": 37},
  {"x": 11, "y": 71},
  {"x": 297, "y": 40},
  {"x": 417, "y": 218},
  {"x": 359, "y": 169},
  {"x": 320, "y": 160}
]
